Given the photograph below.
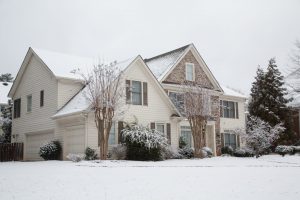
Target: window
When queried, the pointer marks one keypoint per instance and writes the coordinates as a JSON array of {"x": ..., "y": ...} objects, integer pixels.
[
  {"x": 177, "y": 99},
  {"x": 229, "y": 109},
  {"x": 189, "y": 72},
  {"x": 42, "y": 98},
  {"x": 29, "y": 103},
  {"x": 230, "y": 140},
  {"x": 112, "y": 135},
  {"x": 2, "y": 108},
  {"x": 186, "y": 135},
  {"x": 17, "y": 108},
  {"x": 160, "y": 127},
  {"x": 136, "y": 93}
]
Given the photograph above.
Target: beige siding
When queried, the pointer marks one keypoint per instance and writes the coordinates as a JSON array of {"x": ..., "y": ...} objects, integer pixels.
[
  {"x": 35, "y": 78},
  {"x": 66, "y": 90}
]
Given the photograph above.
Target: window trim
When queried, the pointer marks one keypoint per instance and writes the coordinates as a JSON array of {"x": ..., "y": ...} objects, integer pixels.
[
  {"x": 134, "y": 93},
  {"x": 193, "y": 71},
  {"x": 143, "y": 103},
  {"x": 163, "y": 124},
  {"x": 27, "y": 103},
  {"x": 223, "y": 111},
  {"x": 230, "y": 133}
]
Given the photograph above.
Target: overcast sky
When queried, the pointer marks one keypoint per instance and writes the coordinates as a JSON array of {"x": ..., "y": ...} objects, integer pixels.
[{"x": 233, "y": 37}]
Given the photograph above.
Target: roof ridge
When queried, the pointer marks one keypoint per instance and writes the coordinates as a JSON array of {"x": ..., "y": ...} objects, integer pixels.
[{"x": 166, "y": 53}]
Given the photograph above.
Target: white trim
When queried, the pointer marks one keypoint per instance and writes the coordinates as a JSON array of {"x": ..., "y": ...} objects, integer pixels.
[{"x": 193, "y": 71}]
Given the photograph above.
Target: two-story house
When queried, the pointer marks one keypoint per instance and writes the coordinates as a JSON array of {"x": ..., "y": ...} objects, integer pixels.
[{"x": 49, "y": 100}]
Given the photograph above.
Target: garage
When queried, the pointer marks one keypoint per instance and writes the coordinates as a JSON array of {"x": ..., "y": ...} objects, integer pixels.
[
  {"x": 75, "y": 140},
  {"x": 33, "y": 143}
]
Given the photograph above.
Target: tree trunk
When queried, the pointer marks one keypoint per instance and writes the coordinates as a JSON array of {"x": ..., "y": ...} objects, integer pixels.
[{"x": 198, "y": 127}]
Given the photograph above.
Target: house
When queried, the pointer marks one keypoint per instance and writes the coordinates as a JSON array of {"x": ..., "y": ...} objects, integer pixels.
[
  {"x": 49, "y": 101},
  {"x": 292, "y": 83}
]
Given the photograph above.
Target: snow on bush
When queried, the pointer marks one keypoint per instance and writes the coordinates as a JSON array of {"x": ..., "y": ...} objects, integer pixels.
[
  {"x": 243, "y": 152},
  {"x": 186, "y": 152},
  {"x": 75, "y": 157},
  {"x": 118, "y": 152},
  {"x": 150, "y": 138},
  {"x": 90, "y": 154},
  {"x": 51, "y": 150},
  {"x": 282, "y": 150},
  {"x": 227, "y": 150},
  {"x": 260, "y": 135},
  {"x": 207, "y": 151},
  {"x": 171, "y": 153}
]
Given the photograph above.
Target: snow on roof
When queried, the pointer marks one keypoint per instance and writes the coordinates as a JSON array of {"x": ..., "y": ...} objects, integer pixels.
[
  {"x": 4, "y": 89},
  {"x": 161, "y": 64},
  {"x": 232, "y": 92},
  {"x": 79, "y": 102},
  {"x": 292, "y": 83},
  {"x": 63, "y": 65}
]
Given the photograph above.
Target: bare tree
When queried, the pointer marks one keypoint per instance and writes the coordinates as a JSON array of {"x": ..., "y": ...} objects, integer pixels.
[
  {"x": 104, "y": 92},
  {"x": 197, "y": 108},
  {"x": 295, "y": 57}
]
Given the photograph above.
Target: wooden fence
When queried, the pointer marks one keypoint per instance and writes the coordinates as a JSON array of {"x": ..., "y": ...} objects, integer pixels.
[{"x": 11, "y": 152}]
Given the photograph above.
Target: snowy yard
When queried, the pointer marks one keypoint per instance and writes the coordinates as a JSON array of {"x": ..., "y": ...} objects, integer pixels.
[{"x": 269, "y": 177}]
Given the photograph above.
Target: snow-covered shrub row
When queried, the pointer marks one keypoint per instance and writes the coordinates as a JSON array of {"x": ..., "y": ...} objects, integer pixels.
[
  {"x": 51, "y": 150},
  {"x": 90, "y": 154},
  {"x": 144, "y": 143},
  {"x": 283, "y": 150},
  {"x": 118, "y": 152},
  {"x": 171, "y": 153},
  {"x": 243, "y": 152},
  {"x": 75, "y": 157},
  {"x": 227, "y": 150},
  {"x": 208, "y": 152}
]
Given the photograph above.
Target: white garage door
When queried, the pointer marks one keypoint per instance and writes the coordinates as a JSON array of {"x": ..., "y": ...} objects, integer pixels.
[
  {"x": 33, "y": 144},
  {"x": 75, "y": 140}
]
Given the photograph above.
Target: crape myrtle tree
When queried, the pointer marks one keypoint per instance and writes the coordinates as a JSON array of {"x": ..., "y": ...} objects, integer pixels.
[
  {"x": 197, "y": 109},
  {"x": 104, "y": 92}
]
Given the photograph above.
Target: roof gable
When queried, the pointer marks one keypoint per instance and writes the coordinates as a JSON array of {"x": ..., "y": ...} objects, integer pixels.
[{"x": 164, "y": 64}]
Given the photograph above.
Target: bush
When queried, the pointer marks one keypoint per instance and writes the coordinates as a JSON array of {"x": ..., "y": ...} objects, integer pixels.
[
  {"x": 282, "y": 150},
  {"x": 227, "y": 150},
  {"x": 182, "y": 143},
  {"x": 186, "y": 152},
  {"x": 90, "y": 154},
  {"x": 51, "y": 150},
  {"x": 171, "y": 153},
  {"x": 144, "y": 143},
  {"x": 207, "y": 152},
  {"x": 297, "y": 149},
  {"x": 75, "y": 157},
  {"x": 118, "y": 152},
  {"x": 243, "y": 152}
]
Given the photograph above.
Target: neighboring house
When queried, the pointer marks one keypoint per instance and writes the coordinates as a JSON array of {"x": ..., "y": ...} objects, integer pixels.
[
  {"x": 4, "y": 100},
  {"x": 292, "y": 82},
  {"x": 49, "y": 100}
]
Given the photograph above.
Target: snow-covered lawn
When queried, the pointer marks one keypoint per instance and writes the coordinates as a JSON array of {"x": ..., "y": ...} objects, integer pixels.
[{"x": 269, "y": 177}]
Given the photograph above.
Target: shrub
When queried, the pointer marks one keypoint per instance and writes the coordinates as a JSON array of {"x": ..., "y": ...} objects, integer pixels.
[
  {"x": 171, "y": 153},
  {"x": 243, "y": 152},
  {"x": 51, "y": 150},
  {"x": 118, "y": 152},
  {"x": 75, "y": 157},
  {"x": 90, "y": 154},
  {"x": 208, "y": 152},
  {"x": 297, "y": 149},
  {"x": 227, "y": 150},
  {"x": 282, "y": 150},
  {"x": 186, "y": 152},
  {"x": 144, "y": 143}
]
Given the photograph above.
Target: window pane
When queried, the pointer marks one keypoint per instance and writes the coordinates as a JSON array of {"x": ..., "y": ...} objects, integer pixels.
[
  {"x": 160, "y": 128},
  {"x": 186, "y": 135},
  {"x": 112, "y": 135},
  {"x": 189, "y": 72},
  {"x": 230, "y": 140},
  {"x": 29, "y": 103},
  {"x": 136, "y": 93}
]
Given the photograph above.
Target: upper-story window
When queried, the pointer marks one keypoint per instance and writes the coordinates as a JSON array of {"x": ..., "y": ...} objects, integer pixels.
[
  {"x": 189, "y": 72},
  {"x": 229, "y": 109},
  {"x": 41, "y": 98},
  {"x": 17, "y": 108},
  {"x": 136, "y": 92},
  {"x": 29, "y": 103}
]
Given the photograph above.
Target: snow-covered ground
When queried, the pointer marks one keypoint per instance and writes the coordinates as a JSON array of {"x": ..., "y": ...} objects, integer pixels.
[{"x": 269, "y": 177}]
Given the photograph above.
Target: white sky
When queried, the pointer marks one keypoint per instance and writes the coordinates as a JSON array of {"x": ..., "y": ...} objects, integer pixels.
[{"x": 233, "y": 37}]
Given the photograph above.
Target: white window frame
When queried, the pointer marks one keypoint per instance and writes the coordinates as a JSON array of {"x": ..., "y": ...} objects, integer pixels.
[
  {"x": 162, "y": 124},
  {"x": 29, "y": 108},
  {"x": 186, "y": 71}
]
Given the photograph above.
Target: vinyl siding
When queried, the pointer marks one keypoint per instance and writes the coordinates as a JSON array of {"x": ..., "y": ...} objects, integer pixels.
[
  {"x": 66, "y": 90},
  {"x": 35, "y": 78}
]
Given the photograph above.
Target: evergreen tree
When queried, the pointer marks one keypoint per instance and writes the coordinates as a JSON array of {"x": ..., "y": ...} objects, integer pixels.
[{"x": 6, "y": 77}]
